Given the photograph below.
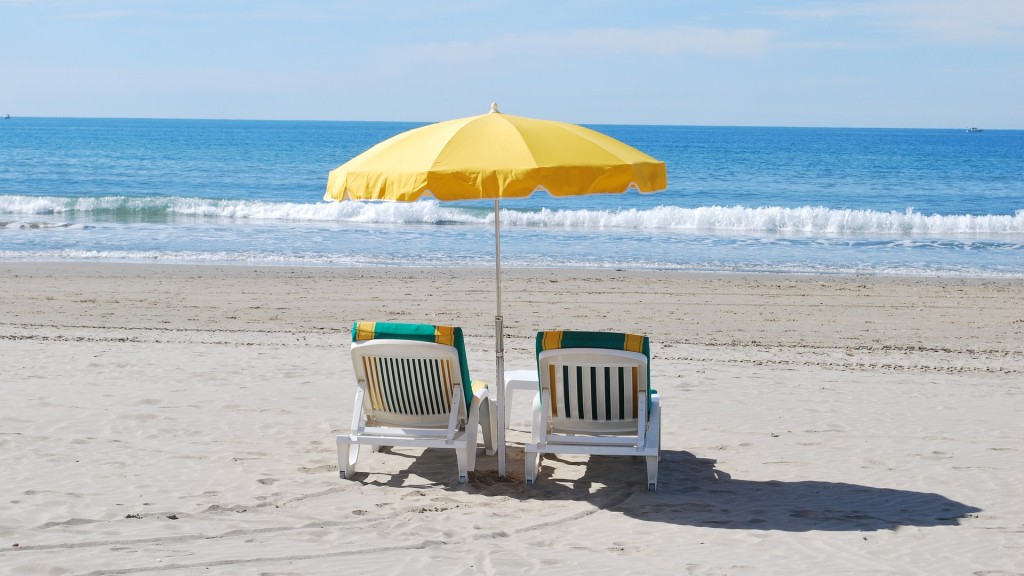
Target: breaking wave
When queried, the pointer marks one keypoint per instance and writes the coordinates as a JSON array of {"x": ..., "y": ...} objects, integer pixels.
[
  {"x": 803, "y": 220},
  {"x": 809, "y": 220}
]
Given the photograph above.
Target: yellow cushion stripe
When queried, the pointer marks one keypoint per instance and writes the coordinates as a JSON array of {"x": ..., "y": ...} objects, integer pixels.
[
  {"x": 446, "y": 381},
  {"x": 444, "y": 335},
  {"x": 634, "y": 343},
  {"x": 373, "y": 382},
  {"x": 553, "y": 390},
  {"x": 365, "y": 331},
  {"x": 552, "y": 340}
]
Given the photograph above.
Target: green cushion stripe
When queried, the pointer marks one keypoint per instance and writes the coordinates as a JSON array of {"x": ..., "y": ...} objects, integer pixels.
[
  {"x": 384, "y": 378},
  {"x": 401, "y": 395},
  {"x": 565, "y": 391},
  {"x": 605, "y": 340},
  {"x": 622, "y": 393},
  {"x": 422, "y": 383},
  {"x": 579, "y": 392},
  {"x": 583, "y": 339},
  {"x": 415, "y": 370},
  {"x": 388, "y": 373},
  {"x": 426, "y": 389},
  {"x": 607, "y": 393},
  {"x": 430, "y": 375},
  {"x": 408, "y": 393},
  {"x": 409, "y": 390}
]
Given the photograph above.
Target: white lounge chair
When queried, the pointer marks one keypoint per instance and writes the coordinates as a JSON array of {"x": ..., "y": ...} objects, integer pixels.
[
  {"x": 594, "y": 399},
  {"x": 413, "y": 389}
]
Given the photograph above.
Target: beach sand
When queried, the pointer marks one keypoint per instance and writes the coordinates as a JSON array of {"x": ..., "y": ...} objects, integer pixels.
[{"x": 181, "y": 420}]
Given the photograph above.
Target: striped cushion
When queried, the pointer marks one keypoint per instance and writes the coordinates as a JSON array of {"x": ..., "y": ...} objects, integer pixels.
[
  {"x": 447, "y": 335},
  {"x": 558, "y": 339},
  {"x": 555, "y": 339},
  {"x": 409, "y": 386}
]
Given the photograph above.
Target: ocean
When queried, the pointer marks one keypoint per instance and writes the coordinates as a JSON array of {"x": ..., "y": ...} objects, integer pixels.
[{"x": 739, "y": 199}]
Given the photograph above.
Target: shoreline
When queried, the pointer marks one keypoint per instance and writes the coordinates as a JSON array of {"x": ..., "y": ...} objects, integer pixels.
[
  {"x": 910, "y": 275},
  {"x": 693, "y": 288},
  {"x": 179, "y": 417}
]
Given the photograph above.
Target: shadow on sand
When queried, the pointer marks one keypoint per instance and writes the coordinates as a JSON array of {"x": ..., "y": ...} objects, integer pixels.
[{"x": 692, "y": 492}]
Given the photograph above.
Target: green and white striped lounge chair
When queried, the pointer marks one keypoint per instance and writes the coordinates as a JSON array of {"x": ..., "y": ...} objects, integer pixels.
[
  {"x": 413, "y": 389},
  {"x": 594, "y": 398}
]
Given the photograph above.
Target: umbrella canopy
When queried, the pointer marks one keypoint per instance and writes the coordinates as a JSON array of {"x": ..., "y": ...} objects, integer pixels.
[{"x": 494, "y": 156}]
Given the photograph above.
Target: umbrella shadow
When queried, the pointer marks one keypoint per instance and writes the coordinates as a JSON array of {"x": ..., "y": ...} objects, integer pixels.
[{"x": 693, "y": 492}]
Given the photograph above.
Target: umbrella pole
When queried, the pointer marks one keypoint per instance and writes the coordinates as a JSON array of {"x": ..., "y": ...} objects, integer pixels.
[{"x": 499, "y": 344}]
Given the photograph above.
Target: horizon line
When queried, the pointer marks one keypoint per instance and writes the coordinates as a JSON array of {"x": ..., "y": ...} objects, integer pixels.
[{"x": 425, "y": 122}]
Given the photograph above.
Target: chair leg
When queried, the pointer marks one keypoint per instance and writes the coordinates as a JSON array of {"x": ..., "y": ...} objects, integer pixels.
[
  {"x": 532, "y": 464},
  {"x": 538, "y": 424},
  {"x": 471, "y": 449},
  {"x": 348, "y": 454},
  {"x": 537, "y": 431},
  {"x": 462, "y": 456},
  {"x": 652, "y": 472},
  {"x": 489, "y": 425}
]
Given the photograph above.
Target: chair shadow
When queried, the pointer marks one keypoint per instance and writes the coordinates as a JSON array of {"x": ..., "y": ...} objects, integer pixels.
[{"x": 693, "y": 492}]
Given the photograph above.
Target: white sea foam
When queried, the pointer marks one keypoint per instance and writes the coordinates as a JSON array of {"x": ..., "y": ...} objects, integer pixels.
[
  {"x": 37, "y": 225},
  {"x": 806, "y": 220},
  {"x": 803, "y": 220},
  {"x": 337, "y": 260},
  {"x": 428, "y": 212}
]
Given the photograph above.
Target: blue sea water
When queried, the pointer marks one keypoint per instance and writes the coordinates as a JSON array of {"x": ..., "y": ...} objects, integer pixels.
[{"x": 796, "y": 200}]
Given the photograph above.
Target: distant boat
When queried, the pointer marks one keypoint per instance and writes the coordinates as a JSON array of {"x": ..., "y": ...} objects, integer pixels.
[
  {"x": 7, "y": 116},
  {"x": 974, "y": 129}
]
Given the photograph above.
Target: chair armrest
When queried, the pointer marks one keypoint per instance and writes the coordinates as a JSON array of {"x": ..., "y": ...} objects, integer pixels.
[{"x": 480, "y": 390}]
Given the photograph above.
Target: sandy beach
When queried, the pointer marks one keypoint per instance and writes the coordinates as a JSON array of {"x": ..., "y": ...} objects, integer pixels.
[{"x": 181, "y": 420}]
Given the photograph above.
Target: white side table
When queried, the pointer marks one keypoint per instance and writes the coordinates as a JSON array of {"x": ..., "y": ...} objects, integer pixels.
[{"x": 518, "y": 380}]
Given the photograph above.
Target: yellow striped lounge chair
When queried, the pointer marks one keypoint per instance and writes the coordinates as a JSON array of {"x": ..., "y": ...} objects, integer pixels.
[
  {"x": 594, "y": 398},
  {"x": 413, "y": 389}
]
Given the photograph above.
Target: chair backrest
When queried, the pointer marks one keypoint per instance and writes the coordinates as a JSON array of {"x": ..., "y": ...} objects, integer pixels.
[
  {"x": 396, "y": 363},
  {"x": 593, "y": 381}
]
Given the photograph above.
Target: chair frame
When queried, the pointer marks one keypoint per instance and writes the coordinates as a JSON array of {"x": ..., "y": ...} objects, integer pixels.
[
  {"x": 424, "y": 387},
  {"x": 636, "y": 434}
]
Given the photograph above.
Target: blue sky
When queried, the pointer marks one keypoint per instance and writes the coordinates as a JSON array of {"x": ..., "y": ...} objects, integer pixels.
[{"x": 892, "y": 63}]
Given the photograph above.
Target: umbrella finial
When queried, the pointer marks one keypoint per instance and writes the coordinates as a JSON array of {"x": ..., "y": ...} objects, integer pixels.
[{"x": 494, "y": 108}]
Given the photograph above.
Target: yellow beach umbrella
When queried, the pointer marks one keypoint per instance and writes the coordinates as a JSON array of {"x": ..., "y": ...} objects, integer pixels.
[{"x": 495, "y": 156}]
